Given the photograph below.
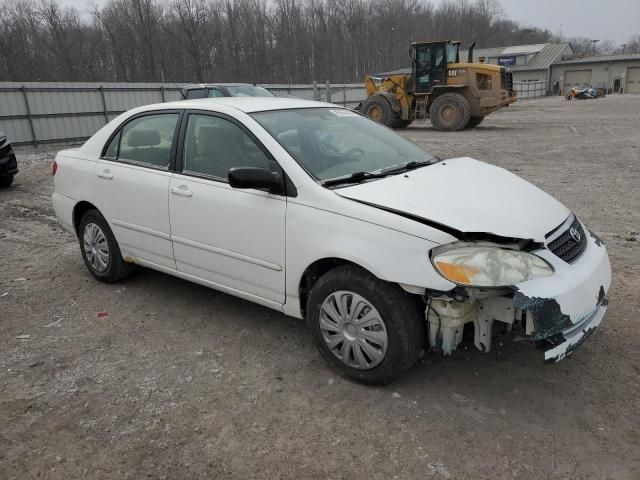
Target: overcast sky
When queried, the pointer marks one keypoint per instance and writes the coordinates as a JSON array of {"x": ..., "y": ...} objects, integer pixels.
[
  {"x": 609, "y": 19},
  {"x": 598, "y": 19}
]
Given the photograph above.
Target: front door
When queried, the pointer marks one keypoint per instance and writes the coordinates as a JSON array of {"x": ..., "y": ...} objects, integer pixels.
[
  {"x": 133, "y": 186},
  {"x": 230, "y": 238},
  {"x": 430, "y": 65}
]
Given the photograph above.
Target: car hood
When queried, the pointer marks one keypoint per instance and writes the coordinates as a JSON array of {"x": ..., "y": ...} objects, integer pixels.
[{"x": 468, "y": 196}]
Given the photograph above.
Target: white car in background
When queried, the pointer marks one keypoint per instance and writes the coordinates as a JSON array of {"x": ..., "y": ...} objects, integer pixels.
[{"x": 323, "y": 214}]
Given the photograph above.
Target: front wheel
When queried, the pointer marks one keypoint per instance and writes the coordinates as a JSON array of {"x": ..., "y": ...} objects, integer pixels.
[
  {"x": 379, "y": 109},
  {"x": 367, "y": 330},
  {"x": 100, "y": 250}
]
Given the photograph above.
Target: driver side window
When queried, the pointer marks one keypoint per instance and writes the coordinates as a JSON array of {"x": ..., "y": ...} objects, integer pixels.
[{"x": 214, "y": 145}]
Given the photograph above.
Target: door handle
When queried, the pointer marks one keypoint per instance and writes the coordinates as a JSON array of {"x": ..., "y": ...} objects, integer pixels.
[
  {"x": 106, "y": 174},
  {"x": 182, "y": 191}
]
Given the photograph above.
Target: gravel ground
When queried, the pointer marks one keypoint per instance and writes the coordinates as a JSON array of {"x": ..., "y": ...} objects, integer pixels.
[{"x": 179, "y": 381}]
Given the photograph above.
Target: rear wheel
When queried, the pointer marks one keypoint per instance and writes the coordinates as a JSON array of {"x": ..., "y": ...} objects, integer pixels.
[
  {"x": 474, "y": 122},
  {"x": 379, "y": 109},
  {"x": 5, "y": 182},
  {"x": 367, "y": 330},
  {"x": 100, "y": 250},
  {"x": 450, "y": 112}
]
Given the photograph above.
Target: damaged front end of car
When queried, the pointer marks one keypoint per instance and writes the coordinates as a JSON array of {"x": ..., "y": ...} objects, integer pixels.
[{"x": 555, "y": 291}]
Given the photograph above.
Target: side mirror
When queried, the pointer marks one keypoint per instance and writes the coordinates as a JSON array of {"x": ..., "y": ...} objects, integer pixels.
[{"x": 254, "y": 177}]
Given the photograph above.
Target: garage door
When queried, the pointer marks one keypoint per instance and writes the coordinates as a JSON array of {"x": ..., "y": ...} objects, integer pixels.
[
  {"x": 633, "y": 80},
  {"x": 576, "y": 77}
]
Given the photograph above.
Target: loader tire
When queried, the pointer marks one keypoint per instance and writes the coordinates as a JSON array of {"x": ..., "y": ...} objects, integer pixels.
[
  {"x": 450, "y": 112},
  {"x": 379, "y": 109},
  {"x": 474, "y": 122}
]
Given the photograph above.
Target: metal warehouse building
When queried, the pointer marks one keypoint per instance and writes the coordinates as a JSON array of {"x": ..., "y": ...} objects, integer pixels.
[
  {"x": 616, "y": 73},
  {"x": 529, "y": 63}
]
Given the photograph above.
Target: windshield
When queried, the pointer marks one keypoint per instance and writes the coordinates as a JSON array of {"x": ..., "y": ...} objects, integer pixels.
[
  {"x": 334, "y": 142},
  {"x": 248, "y": 91}
]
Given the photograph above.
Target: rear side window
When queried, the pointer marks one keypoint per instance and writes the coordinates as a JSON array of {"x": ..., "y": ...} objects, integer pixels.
[
  {"x": 146, "y": 140},
  {"x": 197, "y": 93},
  {"x": 112, "y": 150},
  {"x": 215, "y": 93}
]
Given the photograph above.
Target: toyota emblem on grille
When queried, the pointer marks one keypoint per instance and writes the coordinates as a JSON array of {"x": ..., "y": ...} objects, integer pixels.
[{"x": 575, "y": 234}]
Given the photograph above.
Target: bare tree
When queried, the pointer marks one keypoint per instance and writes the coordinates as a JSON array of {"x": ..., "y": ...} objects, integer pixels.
[{"x": 267, "y": 41}]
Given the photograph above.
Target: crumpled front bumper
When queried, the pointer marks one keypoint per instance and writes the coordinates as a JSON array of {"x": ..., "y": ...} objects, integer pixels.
[{"x": 568, "y": 305}]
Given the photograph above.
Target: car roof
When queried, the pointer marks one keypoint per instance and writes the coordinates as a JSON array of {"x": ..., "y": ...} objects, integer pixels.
[
  {"x": 233, "y": 84},
  {"x": 244, "y": 104}
]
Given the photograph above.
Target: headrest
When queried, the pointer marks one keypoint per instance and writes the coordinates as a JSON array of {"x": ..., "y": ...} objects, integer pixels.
[
  {"x": 208, "y": 138},
  {"x": 212, "y": 137},
  {"x": 143, "y": 138}
]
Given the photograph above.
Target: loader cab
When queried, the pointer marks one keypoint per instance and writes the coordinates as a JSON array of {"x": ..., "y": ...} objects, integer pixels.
[{"x": 429, "y": 63}]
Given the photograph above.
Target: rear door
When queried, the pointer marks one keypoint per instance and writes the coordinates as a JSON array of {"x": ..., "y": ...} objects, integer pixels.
[
  {"x": 133, "y": 186},
  {"x": 228, "y": 237}
]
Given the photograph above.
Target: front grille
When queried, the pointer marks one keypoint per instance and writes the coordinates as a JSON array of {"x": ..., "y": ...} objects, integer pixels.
[{"x": 566, "y": 246}]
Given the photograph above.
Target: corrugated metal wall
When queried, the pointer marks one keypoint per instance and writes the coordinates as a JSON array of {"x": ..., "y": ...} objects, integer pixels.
[
  {"x": 41, "y": 112},
  {"x": 603, "y": 74}
]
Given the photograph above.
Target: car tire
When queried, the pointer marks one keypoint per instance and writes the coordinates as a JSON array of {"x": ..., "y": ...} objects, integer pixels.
[
  {"x": 379, "y": 339},
  {"x": 5, "y": 182},
  {"x": 450, "y": 112},
  {"x": 100, "y": 250}
]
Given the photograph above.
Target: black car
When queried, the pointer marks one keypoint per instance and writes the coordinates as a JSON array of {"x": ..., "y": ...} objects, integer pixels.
[
  {"x": 213, "y": 90},
  {"x": 8, "y": 163}
]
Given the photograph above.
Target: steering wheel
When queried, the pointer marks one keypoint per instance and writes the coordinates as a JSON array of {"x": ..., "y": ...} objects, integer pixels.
[{"x": 353, "y": 151}]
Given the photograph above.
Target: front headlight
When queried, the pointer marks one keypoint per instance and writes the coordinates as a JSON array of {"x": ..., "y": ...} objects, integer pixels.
[{"x": 487, "y": 266}]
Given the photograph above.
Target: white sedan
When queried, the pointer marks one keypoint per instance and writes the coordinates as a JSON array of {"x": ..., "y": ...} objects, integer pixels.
[{"x": 323, "y": 214}]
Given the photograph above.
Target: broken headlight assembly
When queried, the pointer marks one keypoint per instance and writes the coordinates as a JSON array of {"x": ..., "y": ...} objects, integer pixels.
[{"x": 488, "y": 265}]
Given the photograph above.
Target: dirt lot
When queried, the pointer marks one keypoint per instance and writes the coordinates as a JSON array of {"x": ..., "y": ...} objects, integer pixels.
[{"x": 179, "y": 381}]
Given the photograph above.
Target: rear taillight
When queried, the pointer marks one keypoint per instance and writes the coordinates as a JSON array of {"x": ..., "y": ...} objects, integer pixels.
[{"x": 54, "y": 167}]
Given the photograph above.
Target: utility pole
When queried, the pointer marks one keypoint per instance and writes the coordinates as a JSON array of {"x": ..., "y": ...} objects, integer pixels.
[
  {"x": 624, "y": 45},
  {"x": 594, "y": 46}
]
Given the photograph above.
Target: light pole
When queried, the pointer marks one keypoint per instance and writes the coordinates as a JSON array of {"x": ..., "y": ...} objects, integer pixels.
[
  {"x": 624, "y": 45},
  {"x": 594, "y": 46}
]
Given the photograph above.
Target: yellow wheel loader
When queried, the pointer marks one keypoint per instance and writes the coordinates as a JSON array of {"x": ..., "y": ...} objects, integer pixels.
[{"x": 438, "y": 86}]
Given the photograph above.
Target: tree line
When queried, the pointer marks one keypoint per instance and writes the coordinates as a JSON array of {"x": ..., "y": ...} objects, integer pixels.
[{"x": 263, "y": 41}]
